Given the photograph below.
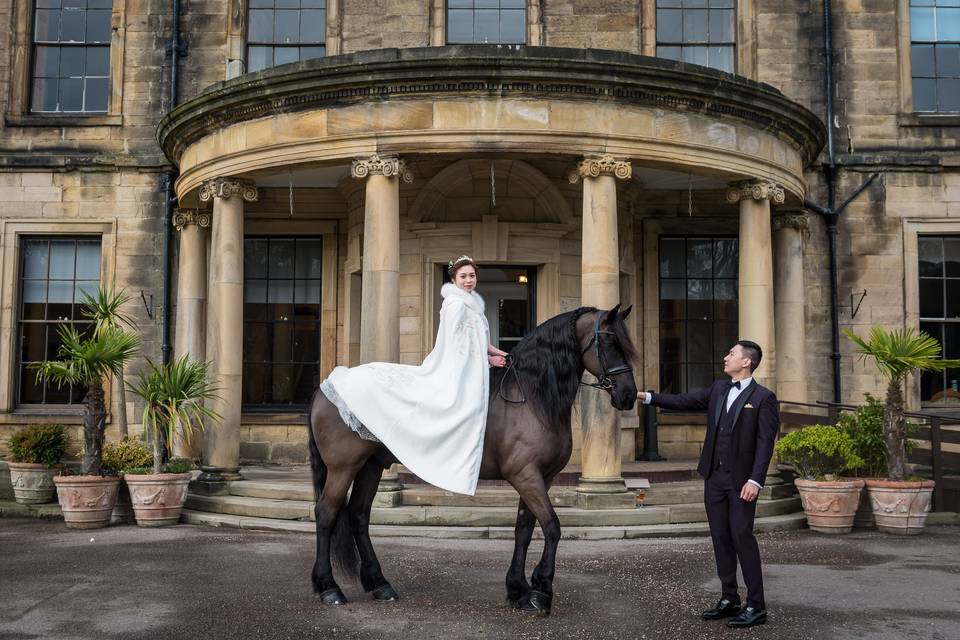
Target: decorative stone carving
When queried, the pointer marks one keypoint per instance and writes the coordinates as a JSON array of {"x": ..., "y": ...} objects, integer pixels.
[
  {"x": 389, "y": 166},
  {"x": 596, "y": 166},
  {"x": 185, "y": 217},
  {"x": 798, "y": 221},
  {"x": 757, "y": 190},
  {"x": 228, "y": 188}
]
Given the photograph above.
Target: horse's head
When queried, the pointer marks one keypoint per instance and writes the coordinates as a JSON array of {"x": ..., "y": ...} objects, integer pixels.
[{"x": 608, "y": 353}]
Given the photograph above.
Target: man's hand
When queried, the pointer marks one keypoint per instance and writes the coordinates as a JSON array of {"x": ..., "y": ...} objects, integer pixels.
[{"x": 749, "y": 492}]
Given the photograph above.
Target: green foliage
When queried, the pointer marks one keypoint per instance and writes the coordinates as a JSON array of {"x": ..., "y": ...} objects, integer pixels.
[
  {"x": 39, "y": 444},
  {"x": 818, "y": 451},
  {"x": 104, "y": 310},
  {"x": 173, "y": 396},
  {"x": 139, "y": 471},
  {"x": 88, "y": 361},
  {"x": 865, "y": 428},
  {"x": 178, "y": 465},
  {"x": 126, "y": 454},
  {"x": 899, "y": 352}
]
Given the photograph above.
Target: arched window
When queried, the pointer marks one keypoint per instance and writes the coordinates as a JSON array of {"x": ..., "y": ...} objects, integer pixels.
[
  {"x": 698, "y": 31},
  {"x": 487, "y": 21},
  {"x": 283, "y": 31}
]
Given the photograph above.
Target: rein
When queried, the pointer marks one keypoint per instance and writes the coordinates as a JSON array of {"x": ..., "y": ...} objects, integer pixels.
[{"x": 605, "y": 379}]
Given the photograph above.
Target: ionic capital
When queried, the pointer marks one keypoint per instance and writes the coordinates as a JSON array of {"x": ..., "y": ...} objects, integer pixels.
[
  {"x": 596, "y": 166},
  {"x": 185, "y": 217},
  {"x": 376, "y": 165},
  {"x": 756, "y": 190},
  {"x": 228, "y": 188},
  {"x": 798, "y": 221}
]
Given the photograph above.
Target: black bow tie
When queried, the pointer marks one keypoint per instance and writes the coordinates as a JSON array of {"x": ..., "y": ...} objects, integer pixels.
[{"x": 735, "y": 383}]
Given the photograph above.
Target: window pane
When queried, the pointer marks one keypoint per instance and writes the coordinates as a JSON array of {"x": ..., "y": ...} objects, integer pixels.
[
  {"x": 255, "y": 292},
  {"x": 513, "y": 27},
  {"x": 73, "y": 26},
  {"x": 46, "y": 62},
  {"x": 699, "y": 257},
  {"x": 948, "y": 94},
  {"x": 260, "y": 26},
  {"x": 923, "y": 61},
  {"x": 98, "y": 26},
  {"x": 307, "y": 291},
  {"x": 285, "y": 55},
  {"x": 931, "y": 298},
  {"x": 672, "y": 299},
  {"x": 255, "y": 258},
  {"x": 948, "y": 24},
  {"x": 34, "y": 300},
  {"x": 669, "y": 25},
  {"x": 694, "y": 26},
  {"x": 306, "y": 342},
  {"x": 953, "y": 299},
  {"x": 924, "y": 94},
  {"x": 725, "y": 258},
  {"x": 281, "y": 258},
  {"x": 71, "y": 64},
  {"x": 311, "y": 53},
  {"x": 699, "y": 299},
  {"x": 951, "y": 341},
  {"x": 31, "y": 391},
  {"x": 459, "y": 26},
  {"x": 312, "y": 26},
  {"x": 951, "y": 250},
  {"x": 460, "y": 4},
  {"x": 696, "y": 55},
  {"x": 671, "y": 342},
  {"x": 98, "y": 61},
  {"x": 46, "y": 26},
  {"x": 922, "y": 24},
  {"x": 60, "y": 300},
  {"x": 672, "y": 258},
  {"x": 486, "y": 26},
  {"x": 45, "y": 95},
  {"x": 931, "y": 256},
  {"x": 97, "y": 94},
  {"x": 256, "y": 337},
  {"x": 309, "y": 258},
  {"x": 670, "y": 53},
  {"x": 721, "y": 58},
  {"x": 699, "y": 376},
  {"x": 721, "y": 26},
  {"x": 259, "y": 58},
  {"x": 63, "y": 256},
  {"x": 286, "y": 27},
  {"x": 281, "y": 292},
  {"x": 35, "y": 258},
  {"x": 33, "y": 342},
  {"x": 71, "y": 94}
]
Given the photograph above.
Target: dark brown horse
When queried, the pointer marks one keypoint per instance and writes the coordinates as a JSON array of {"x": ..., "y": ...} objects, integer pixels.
[{"x": 527, "y": 442}]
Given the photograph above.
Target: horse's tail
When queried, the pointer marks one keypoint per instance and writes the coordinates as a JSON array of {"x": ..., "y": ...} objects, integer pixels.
[{"x": 343, "y": 550}]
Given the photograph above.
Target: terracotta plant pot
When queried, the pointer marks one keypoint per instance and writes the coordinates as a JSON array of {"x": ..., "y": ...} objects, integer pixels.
[
  {"x": 32, "y": 483},
  {"x": 864, "y": 516},
  {"x": 830, "y": 506},
  {"x": 900, "y": 507},
  {"x": 86, "y": 501},
  {"x": 158, "y": 499},
  {"x": 123, "y": 510}
]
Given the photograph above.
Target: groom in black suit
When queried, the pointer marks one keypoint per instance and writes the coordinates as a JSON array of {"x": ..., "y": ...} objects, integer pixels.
[{"x": 742, "y": 423}]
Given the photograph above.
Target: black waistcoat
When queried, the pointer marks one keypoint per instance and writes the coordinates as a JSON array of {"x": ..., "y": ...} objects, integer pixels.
[{"x": 721, "y": 456}]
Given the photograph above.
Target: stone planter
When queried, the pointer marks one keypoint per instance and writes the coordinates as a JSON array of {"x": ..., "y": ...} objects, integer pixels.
[
  {"x": 158, "y": 499},
  {"x": 900, "y": 507},
  {"x": 86, "y": 501},
  {"x": 864, "y": 516},
  {"x": 32, "y": 483},
  {"x": 123, "y": 509},
  {"x": 830, "y": 506}
]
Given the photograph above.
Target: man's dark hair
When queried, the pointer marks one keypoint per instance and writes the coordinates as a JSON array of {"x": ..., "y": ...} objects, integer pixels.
[{"x": 753, "y": 351}]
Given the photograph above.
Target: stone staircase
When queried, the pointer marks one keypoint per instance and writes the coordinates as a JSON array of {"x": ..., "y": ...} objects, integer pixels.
[{"x": 282, "y": 499}]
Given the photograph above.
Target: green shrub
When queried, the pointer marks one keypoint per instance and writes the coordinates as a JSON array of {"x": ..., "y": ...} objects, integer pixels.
[
  {"x": 126, "y": 454},
  {"x": 139, "y": 471},
  {"x": 39, "y": 444},
  {"x": 865, "y": 428},
  {"x": 178, "y": 465},
  {"x": 819, "y": 451}
]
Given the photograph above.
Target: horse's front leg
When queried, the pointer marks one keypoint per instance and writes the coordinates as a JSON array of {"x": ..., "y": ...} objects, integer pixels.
[
  {"x": 517, "y": 585},
  {"x": 533, "y": 492}
]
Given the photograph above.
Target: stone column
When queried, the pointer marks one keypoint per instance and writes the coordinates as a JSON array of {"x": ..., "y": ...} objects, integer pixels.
[
  {"x": 788, "y": 300},
  {"x": 601, "y": 485},
  {"x": 755, "y": 281},
  {"x": 221, "y": 442},
  {"x": 191, "y": 303},
  {"x": 380, "y": 285}
]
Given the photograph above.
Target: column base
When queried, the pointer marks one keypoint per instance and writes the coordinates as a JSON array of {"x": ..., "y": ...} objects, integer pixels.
[
  {"x": 604, "y": 493},
  {"x": 215, "y": 480}
]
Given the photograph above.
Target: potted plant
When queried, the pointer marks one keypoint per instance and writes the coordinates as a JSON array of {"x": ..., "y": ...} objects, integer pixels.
[
  {"x": 900, "y": 504},
  {"x": 819, "y": 454},
  {"x": 104, "y": 310},
  {"x": 121, "y": 457},
  {"x": 87, "y": 499},
  {"x": 35, "y": 450},
  {"x": 173, "y": 396}
]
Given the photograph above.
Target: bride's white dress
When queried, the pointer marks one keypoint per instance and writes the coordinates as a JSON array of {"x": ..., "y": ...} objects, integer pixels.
[{"x": 431, "y": 417}]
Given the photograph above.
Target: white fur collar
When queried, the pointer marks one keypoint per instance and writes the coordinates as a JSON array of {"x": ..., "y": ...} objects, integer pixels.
[{"x": 472, "y": 299}]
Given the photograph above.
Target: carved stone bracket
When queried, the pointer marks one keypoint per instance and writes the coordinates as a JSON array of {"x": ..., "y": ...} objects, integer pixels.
[
  {"x": 798, "y": 221},
  {"x": 596, "y": 166},
  {"x": 756, "y": 190},
  {"x": 381, "y": 166},
  {"x": 228, "y": 188},
  {"x": 185, "y": 217}
]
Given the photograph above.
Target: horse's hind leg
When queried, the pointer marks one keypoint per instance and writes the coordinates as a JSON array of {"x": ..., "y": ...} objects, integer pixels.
[
  {"x": 533, "y": 491},
  {"x": 361, "y": 501},
  {"x": 327, "y": 513},
  {"x": 517, "y": 585}
]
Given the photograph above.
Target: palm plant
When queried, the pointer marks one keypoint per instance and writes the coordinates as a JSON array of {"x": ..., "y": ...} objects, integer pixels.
[
  {"x": 174, "y": 394},
  {"x": 898, "y": 353},
  {"x": 104, "y": 309},
  {"x": 89, "y": 362}
]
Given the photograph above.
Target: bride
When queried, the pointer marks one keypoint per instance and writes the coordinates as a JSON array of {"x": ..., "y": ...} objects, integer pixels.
[{"x": 431, "y": 417}]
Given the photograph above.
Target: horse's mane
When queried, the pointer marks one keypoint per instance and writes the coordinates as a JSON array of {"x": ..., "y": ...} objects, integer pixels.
[{"x": 547, "y": 362}]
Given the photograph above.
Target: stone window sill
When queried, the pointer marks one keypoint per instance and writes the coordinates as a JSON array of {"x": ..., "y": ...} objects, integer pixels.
[
  {"x": 929, "y": 119},
  {"x": 46, "y": 414},
  {"x": 294, "y": 416},
  {"x": 78, "y": 120}
]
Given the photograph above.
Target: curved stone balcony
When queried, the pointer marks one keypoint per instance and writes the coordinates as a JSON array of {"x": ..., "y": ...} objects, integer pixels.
[{"x": 512, "y": 100}]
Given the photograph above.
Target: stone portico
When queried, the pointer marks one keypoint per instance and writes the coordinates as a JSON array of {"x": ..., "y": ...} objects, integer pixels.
[{"x": 550, "y": 159}]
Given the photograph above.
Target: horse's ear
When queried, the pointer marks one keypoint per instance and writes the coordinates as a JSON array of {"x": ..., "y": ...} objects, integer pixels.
[
  {"x": 612, "y": 315},
  {"x": 626, "y": 312}
]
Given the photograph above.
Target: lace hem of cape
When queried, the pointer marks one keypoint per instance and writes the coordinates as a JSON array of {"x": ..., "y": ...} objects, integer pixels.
[{"x": 345, "y": 414}]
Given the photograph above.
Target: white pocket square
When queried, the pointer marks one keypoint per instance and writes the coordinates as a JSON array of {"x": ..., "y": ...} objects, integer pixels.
[{"x": 748, "y": 406}]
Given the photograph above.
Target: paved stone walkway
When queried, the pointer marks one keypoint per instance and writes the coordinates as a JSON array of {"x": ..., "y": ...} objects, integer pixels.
[{"x": 197, "y": 582}]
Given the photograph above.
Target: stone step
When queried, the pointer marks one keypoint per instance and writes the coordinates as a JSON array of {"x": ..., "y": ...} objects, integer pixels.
[
  {"x": 489, "y": 516},
  {"x": 787, "y": 522}
]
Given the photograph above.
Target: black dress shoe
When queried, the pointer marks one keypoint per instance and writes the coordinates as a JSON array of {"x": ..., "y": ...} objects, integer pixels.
[
  {"x": 724, "y": 609},
  {"x": 749, "y": 617}
]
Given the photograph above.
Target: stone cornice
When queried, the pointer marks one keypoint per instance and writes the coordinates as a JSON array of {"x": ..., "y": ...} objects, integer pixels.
[
  {"x": 471, "y": 70},
  {"x": 596, "y": 166},
  {"x": 228, "y": 188},
  {"x": 377, "y": 165},
  {"x": 185, "y": 217},
  {"x": 756, "y": 190}
]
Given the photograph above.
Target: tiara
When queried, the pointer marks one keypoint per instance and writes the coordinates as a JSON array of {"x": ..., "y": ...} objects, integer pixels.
[{"x": 459, "y": 260}]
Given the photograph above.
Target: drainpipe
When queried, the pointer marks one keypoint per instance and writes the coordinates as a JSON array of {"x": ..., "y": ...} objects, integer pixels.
[{"x": 170, "y": 197}]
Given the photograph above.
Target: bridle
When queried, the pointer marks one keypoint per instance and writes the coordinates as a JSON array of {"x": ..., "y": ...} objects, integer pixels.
[{"x": 604, "y": 380}]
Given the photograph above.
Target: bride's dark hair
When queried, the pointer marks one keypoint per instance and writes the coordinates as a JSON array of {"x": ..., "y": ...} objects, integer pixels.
[{"x": 454, "y": 265}]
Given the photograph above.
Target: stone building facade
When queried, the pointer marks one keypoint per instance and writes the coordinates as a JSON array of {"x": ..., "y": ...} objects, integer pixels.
[{"x": 570, "y": 153}]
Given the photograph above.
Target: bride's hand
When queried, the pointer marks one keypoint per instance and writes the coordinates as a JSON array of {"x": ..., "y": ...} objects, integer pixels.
[{"x": 497, "y": 361}]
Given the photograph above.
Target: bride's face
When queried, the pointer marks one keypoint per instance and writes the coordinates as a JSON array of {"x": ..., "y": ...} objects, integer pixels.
[{"x": 466, "y": 278}]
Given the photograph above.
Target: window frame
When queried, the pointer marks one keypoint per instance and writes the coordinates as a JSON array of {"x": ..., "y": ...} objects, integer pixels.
[
  {"x": 18, "y": 113},
  {"x": 500, "y": 9},
  {"x": 273, "y": 45},
  {"x": 941, "y": 321},
  {"x": 438, "y": 24},
  {"x": 909, "y": 116},
  {"x": 732, "y": 44}
]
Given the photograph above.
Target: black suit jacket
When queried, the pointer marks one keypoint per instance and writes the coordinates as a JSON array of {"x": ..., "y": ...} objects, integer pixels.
[{"x": 756, "y": 421}]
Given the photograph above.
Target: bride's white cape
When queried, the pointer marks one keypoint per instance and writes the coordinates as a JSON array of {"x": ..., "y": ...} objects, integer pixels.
[{"x": 431, "y": 417}]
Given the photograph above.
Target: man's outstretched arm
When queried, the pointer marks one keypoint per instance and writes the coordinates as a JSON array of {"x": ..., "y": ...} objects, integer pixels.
[{"x": 694, "y": 401}]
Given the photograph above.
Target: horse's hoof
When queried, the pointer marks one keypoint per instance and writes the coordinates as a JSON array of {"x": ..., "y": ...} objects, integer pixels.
[
  {"x": 333, "y": 596},
  {"x": 538, "y": 602},
  {"x": 385, "y": 593}
]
